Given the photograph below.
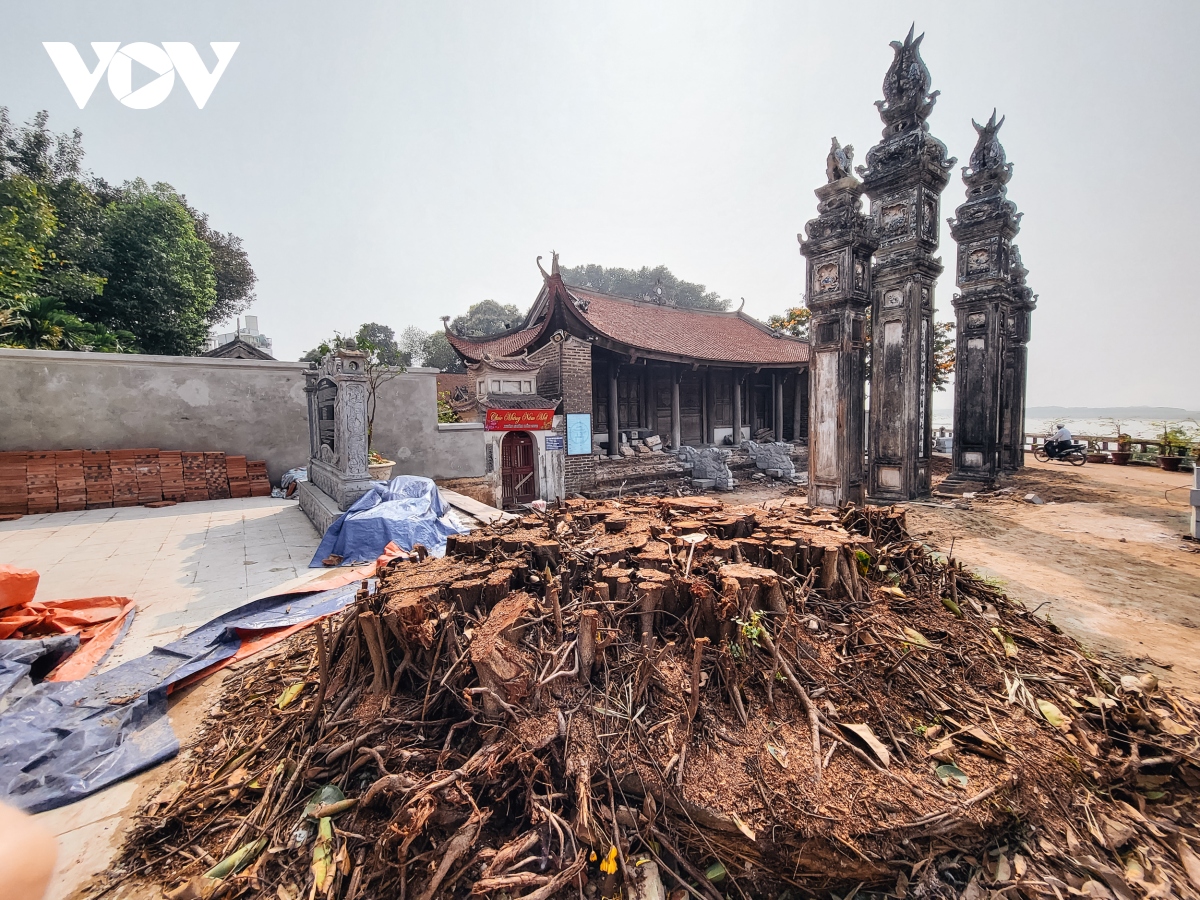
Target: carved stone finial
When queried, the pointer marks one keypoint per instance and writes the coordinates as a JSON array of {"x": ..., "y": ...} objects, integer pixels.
[
  {"x": 545, "y": 274},
  {"x": 907, "y": 100},
  {"x": 988, "y": 152},
  {"x": 838, "y": 164},
  {"x": 553, "y": 262},
  {"x": 988, "y": 170}
]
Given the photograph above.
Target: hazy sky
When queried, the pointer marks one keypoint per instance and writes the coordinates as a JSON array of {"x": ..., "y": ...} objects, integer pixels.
[{"x": 398, "y": 161}]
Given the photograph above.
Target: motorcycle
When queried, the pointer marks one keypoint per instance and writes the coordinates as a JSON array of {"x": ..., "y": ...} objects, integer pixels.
[{"x": 1075, "y": 453}]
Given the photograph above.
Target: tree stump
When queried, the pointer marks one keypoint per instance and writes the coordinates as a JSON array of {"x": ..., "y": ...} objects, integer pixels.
[
  {"x": 496, "y": 587},
  {"x": 546, "y": 553},
  {"x": 503, "y": 669}
]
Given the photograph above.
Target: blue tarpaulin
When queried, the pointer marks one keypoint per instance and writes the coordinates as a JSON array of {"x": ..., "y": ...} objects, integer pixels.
[
  {"x": 408, "y": 510},
  {"x": 60, "y": 741}
]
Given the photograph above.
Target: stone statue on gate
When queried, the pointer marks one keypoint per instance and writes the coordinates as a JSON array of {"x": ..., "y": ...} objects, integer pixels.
[{"x": 839, "y": 163}]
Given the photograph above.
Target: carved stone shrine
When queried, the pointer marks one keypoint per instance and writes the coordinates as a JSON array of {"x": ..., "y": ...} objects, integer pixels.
[
  {"x": 904, "y": 177},
  {"x": 838, "y": 251},
  {"x": 337, "y": 436},
  {"x": 992, "y": 324}
]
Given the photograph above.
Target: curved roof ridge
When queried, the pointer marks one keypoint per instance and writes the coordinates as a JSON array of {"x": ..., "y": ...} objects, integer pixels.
[{"x": 648, "y": 303}]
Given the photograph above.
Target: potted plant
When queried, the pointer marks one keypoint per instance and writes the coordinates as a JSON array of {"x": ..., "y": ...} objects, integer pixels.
[
  {"x": 1173, "y": 443},
  {"x": 1095, "y": 454},
  {"x": 1124, "y": 451},
  {"x": 380, "y": 468}
]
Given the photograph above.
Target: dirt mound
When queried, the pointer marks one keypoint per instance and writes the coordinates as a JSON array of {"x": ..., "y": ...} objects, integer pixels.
[{"x": 677, "y": 696}]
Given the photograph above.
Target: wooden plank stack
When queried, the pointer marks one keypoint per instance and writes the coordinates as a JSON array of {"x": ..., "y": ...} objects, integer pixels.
[
  {"x": 97, "y": 476},
  {"x": 14, "y": 493},
  {"x": 170, "y": 469},
  {"x": 260, "y": 484},
  {"x": 68, "y": 480},
  {"x": 72, "y": 488}
]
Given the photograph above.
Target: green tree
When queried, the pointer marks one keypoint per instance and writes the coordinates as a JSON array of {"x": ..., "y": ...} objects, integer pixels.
[
  {"x": 645, "y": 283},
  {"x": 161, "y": 283},
  {"x": 485, "y": 318},
  {"x": 440, "y": 355},
  {"x": 41, "y": 323},
  {"x": 385, "y": 360},
  {"x": 794, "y": 321},
  {"x": 231, "y": 267},
  {"x": 27, "y": 226},
  {"x": 172, "y": 275}
]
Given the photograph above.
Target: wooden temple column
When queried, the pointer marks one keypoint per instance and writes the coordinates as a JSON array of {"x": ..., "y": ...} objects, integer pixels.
[
  {"x": 737, "y": 408},
  {"x": 614, "y": 427},
  {"x": 777, "y": 402},
  {"x": 798, "y": 404},
  {"x": 675, "y": 429}
]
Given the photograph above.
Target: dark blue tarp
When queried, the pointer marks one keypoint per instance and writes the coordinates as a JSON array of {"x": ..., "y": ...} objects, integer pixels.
[
  {"x": 408, "y": 510},
  {"x": 17, "y": 659},
  {"x": 60, "y": 741}
]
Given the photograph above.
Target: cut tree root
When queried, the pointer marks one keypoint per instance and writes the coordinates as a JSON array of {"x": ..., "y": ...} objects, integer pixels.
[{"x": 556, "y": 706}]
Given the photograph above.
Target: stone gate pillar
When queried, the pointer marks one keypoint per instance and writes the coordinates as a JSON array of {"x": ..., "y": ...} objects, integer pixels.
[
  {"x": 904, "y": 177},
  {"x": 1016, "y": 361},
  {"x": 986, "y": 360},
  {"x": 838, "y": 251}
]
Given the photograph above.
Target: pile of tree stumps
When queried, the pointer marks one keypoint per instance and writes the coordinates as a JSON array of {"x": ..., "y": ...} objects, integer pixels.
[{"x": 673, "y": 696}]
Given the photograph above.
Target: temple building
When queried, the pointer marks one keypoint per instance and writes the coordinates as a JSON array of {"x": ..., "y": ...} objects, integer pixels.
[{"x": 627, "y": 379}]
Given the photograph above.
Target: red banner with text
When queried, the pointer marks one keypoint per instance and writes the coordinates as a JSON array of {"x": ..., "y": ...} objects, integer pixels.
[{"x": 519, "y": 420}]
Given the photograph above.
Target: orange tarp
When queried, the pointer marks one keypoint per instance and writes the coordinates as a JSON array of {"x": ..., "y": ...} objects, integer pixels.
[
  {"x": 17, "y": 586},
  {"x": 97, "y": 620}
]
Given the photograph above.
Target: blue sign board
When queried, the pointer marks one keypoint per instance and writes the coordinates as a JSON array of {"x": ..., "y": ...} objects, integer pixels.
[
  {"x": 554, "y": 441},
  {"x": 579, "y": 434}
]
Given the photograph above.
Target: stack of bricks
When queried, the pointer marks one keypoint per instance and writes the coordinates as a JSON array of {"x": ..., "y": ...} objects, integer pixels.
[
  {"x": 216, "y": 476},
  {"x": 14, "y": 493},
  {"x": 239, "y": 479},
  {"x": 70, "y": 480},
  {"x": 72, "y": 488},
  {"x": 149, "y": 479},
  {"x": 41, "y": 480},
  {"x": 97, "y": 477},
  {"x": 194, "y": 485},
  {"x": 124, "y": 477},
  {"x": 260, "y": 485},
  {"x": 170, "y": 470}
]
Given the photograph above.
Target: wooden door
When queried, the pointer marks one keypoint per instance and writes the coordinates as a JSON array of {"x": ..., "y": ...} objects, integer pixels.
[
  {"x": 690, "y": 404},
  {"x": 516, "y": 468}
]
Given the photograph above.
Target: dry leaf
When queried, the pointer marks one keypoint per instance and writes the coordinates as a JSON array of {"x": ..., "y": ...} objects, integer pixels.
[
  {"x": 1191, "y": 863},
  {"x": 867, "y": 736},
  {"x": 743, "y": 827},
  {"x": 1053, "y": 714},
  {"x": 1003, "y": 869}
]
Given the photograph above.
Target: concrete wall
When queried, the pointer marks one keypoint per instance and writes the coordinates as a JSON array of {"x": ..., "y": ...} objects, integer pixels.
[
  {"x": 52, "y": 400},
  {"x": 407, "y": 430}
]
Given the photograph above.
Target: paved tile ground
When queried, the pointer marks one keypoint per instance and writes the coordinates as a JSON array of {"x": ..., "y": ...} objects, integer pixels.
[{"x": 183, "y": 565}]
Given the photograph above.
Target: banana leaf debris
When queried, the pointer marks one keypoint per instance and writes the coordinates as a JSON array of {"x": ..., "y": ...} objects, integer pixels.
[{"x": 670, "y": 697}]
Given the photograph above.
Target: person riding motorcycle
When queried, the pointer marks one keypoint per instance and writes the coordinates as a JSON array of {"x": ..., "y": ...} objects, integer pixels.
[{"x": 1059, "y": 441}]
